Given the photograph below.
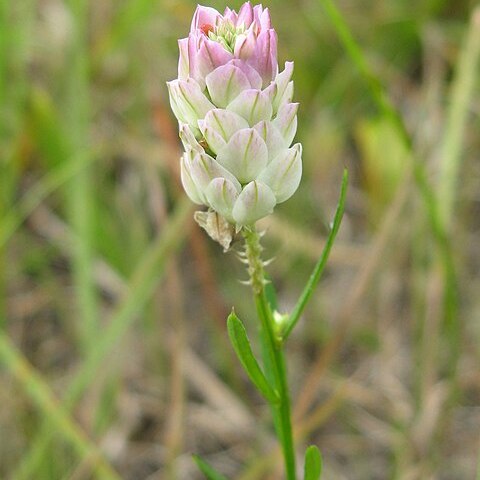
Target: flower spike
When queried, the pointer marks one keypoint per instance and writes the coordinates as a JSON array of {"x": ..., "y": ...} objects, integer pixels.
[{"x": 237, "y": 120}]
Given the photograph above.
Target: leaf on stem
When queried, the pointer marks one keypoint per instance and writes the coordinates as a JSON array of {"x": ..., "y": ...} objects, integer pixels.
[
  {"x": 313, "y": 463},
  {"x": 322, "y": 262},
  {"x": 241, "y": 344},
  {"x": 207, "y": 469}
]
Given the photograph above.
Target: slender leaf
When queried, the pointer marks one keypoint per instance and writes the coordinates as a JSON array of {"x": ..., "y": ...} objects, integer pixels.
[
  {"x": 322, "y": 262},
  {"x": 313, "y": 463},
  {"x": 241, "y": 344},
  {"x": 208, "y": 470}
]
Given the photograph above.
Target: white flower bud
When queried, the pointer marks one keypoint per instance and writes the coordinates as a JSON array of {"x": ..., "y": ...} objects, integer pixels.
[
  {"x": 237, "y": 120},
  {"x": 253, "y": 105},
  {"x": 222, "y": 195},
  {"x": 284, "y": 172},
  {"x": 245, "y": 155},
  {"x": 256, "y": 201}
]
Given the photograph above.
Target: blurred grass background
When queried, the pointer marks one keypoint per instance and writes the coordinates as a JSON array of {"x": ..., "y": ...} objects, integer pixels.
[{"x": 114, "y": 360}]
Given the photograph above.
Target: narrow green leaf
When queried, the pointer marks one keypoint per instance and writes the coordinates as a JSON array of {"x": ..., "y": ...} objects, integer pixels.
[
  {"x": 208, "y": 470},
  {"x": 241, "y": 344},
  {"x": 322, "y": 262},
  {"x": 313, "y": 463}
]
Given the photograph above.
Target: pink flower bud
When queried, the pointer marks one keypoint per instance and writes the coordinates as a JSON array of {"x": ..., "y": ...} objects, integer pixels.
[
  {"x": 215, "y": 39},
  {"x": 204, "y": 16},
  {"x": 237, "y": 119},
  {"x": 264, "y": 56}
]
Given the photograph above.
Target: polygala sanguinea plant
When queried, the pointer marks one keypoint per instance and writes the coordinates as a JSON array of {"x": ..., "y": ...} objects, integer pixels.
[
  {"x": 237, "y": 123},
  {"x": 237, "y": 119}
]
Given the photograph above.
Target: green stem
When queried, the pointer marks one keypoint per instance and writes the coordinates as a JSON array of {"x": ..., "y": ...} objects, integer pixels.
[{"x": 273, "y": 349}]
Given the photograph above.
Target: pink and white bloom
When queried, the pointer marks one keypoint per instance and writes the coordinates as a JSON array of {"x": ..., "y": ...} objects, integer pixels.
[
  {"x": 236, "y": 116},
  {"x": 215, "y": 40}
]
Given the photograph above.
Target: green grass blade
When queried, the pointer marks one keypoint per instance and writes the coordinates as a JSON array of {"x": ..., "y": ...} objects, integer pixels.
[
  {"x": 37, "y": 193},
  {"x": 322, "y": 262},
  {"x": 80, "y": 191},
  {"x": 207, "y": 469},
  {"x": 429, "y": 198},
  {"x": 15, "y": 56},
  {"x": 129, "y": 17},
  {"x": 241, "y": 344},
  {"x": 41, "y": 395},
  {"x": 313, "y": 463},
  {"x": 462, "y": 97},
  {"x": 355, "y": 53},
  {"x": 140, "y": 288}
]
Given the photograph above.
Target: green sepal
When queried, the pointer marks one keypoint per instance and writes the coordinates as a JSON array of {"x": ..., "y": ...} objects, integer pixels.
[
  {"x": 241, "y": 345},
  {"x": 207, "y": 469},
  {"x": 313, "y": 463}
]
